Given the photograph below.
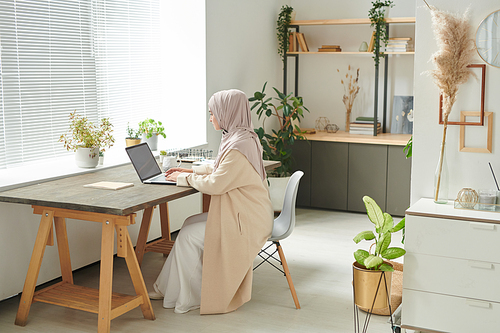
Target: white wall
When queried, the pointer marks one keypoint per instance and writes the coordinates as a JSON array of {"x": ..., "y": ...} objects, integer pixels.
[
  {"x": 241, "y": 49},
  {"x": 465, "y": 169}
]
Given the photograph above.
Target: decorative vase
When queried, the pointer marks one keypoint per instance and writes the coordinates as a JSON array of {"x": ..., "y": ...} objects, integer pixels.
[
  {"x": 87, "y": 157},
  {"x": 441, "y": 178},
  {"x": 152, "y": 141},
  {"x": 369, "y": 284},
  {"x": 363, "y": 47}
]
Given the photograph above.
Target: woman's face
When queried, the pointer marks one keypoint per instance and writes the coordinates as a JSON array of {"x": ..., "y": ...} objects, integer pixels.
[{"x": 214, "y": 121}]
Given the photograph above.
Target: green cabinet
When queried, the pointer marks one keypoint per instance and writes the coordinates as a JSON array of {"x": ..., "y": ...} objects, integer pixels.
[
  {"x": 367, "y": 175},
  {"x": 329, "y": 176},
  {"x": 338, "y": 174}
]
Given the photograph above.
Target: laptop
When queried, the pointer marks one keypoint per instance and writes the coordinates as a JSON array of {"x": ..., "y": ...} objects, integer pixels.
[{"x": 146, "y": 166}]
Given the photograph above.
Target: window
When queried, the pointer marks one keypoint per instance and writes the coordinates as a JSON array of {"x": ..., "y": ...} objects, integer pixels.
[{"x": 102, "y": 59}]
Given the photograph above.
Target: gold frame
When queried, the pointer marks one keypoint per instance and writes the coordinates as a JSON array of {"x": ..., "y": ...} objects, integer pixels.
[{"x": 489, "y": 141}]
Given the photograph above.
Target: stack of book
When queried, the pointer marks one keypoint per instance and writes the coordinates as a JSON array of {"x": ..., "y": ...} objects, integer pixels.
[
  {"x": 398, "y": 44},
  {"x": 364, "y": 125},
  {"x": 330, "y": 48},
  {"x": 297, "y": 39}
]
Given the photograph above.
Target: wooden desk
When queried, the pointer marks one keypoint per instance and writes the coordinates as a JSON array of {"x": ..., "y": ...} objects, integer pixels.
[
  {"x": 67, "y": 198},
  {"x": 115, "y": 210}
]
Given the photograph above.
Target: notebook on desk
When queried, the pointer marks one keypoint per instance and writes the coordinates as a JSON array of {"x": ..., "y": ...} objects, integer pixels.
[{"x": 146, "y": 166}]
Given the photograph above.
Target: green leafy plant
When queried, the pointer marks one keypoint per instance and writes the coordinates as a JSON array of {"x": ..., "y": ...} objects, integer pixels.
[
  {"x": 163, "y": 153},
  {"x": 278, "y": 145},
  {"x": 409, "y": 147},
  {"x": 377, "y": 17},
  {"x": 150, "y": 127},
  {"x": 83, "y": 133},
  {"x": 384, "y": 227},
  {"x": 282, "y": 26},
  {"x": 133, "y": 134}
]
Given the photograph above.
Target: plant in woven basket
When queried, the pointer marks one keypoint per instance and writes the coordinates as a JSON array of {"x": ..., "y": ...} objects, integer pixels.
[
  {"x": 351, "y": 90},
  {"x": 384, "y": 227}
]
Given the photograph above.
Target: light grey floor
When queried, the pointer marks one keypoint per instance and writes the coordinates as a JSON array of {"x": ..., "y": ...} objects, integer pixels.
[{"x": 319, "y": 254}]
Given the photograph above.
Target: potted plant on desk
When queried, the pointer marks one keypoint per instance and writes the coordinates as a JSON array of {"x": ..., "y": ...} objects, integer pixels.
[
  {"x": 87, "y": 139},
  {"x": 277, "y": 145},
  {"x": 133, "y": 136},
  {"x": 150, "y": 130},
  {"x": 372, "y": 275}
]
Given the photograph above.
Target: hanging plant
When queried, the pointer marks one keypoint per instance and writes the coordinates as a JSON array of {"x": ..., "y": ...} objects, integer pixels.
[
  {"x": 282, "y": 26},
  {"x": 377, "y": 17}
]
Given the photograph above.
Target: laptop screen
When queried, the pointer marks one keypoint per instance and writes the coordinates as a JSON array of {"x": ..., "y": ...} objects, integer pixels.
[{"x": 143, "y": 160}]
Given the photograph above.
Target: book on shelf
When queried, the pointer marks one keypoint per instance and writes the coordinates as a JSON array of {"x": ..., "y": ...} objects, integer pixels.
[
  {"x": 365, "y": 119},
  {"x": 400, "y": 38},
  {"x": 329, "y": 50},
  {"x": 293, "y": 43},
  {"x": 368, "y": 131},
  {"x": 372, "y": 43},
  {"x": 363, "y": 125},
  {"x": 302, "y": 42}
]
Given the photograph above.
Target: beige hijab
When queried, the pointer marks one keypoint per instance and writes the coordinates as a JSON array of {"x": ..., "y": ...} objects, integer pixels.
[{"x": 232, "y": 111}]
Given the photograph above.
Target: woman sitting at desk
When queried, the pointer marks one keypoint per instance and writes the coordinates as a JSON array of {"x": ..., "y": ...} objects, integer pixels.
[{"x": 210, "y": 265}]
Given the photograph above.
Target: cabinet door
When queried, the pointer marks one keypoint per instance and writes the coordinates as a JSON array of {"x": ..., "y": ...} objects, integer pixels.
[
  {"x": 367, "y": 175},
  {"x": 329, "y": 179},
  {"x": 398, "y": 181},
  {"x": 301, "y": 153}
]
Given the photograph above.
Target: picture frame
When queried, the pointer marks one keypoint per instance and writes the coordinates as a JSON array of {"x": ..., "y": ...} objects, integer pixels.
[
  {"x": 481, "y": 117},
  {"x": 489, "y": 141}
]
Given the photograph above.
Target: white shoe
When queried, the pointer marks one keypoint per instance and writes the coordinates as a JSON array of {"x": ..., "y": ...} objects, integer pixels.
[{"x": 155, "y": 295}]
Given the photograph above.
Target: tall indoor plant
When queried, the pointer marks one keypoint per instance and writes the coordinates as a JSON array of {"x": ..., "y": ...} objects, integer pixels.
[
  {"x": 277, "y": 144},
  {"x": 87, "y": 139}
]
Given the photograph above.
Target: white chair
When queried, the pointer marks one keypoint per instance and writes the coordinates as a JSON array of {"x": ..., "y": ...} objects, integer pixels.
[{"x": 282, "y": 228}]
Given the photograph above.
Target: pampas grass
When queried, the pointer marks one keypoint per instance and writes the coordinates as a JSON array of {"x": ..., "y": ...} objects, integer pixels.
[{"x": 455, "y": 53}]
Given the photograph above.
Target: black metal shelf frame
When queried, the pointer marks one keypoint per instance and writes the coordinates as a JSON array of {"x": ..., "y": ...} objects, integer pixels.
[{"x": 375, "y": 107}]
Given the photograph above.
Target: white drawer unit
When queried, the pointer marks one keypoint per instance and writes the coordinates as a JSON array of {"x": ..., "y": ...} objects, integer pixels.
[
  {"x": 442, "y": 313},
  {"x": 451, "y": 269}
]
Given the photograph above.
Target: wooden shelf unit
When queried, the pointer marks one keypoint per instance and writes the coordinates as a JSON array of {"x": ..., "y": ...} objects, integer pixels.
[{"x": 296, "y": 24}]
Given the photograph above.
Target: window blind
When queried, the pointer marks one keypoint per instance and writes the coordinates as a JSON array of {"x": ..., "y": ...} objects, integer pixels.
[
  {"x": 120, "y": 59},
  {"x": 47, "y": 71}
]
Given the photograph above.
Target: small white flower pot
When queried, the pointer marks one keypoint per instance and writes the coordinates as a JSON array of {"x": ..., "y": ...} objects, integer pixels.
[{"x": 87, "y": 157}]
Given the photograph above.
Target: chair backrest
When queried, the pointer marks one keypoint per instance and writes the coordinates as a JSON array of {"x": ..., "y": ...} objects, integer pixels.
[{"x": 285, "y": 222}]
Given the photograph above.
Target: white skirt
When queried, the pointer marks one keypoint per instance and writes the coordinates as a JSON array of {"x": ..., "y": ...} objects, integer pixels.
[{"x": 180, "y": 278}]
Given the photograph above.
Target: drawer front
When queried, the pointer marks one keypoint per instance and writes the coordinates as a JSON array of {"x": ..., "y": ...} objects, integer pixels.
[
  {"x": 453, "y": 238},
  {"x": 451, "y": 276},
  {"x": 448, "y": 313}
]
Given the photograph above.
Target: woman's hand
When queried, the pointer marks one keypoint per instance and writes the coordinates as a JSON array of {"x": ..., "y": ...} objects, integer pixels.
[
  {"x": 172, "y": 176},
  {"x": 172, "y": 170}
]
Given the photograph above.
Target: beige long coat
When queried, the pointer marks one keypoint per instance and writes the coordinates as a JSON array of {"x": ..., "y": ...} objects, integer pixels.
[{"x": 239, "y": 222}]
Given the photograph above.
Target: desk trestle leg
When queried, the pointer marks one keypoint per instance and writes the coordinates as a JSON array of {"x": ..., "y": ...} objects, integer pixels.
[{"x": 42, "y": 238}]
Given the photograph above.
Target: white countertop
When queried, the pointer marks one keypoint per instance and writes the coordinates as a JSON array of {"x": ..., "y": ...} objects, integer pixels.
[{"x": 427, "y": 207}]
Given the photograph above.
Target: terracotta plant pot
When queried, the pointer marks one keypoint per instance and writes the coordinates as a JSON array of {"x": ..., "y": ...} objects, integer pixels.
[{"x": 365, "y": 284}]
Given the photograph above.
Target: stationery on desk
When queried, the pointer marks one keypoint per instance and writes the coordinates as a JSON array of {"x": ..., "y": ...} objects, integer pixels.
[{"x": 109, "y": 185}]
